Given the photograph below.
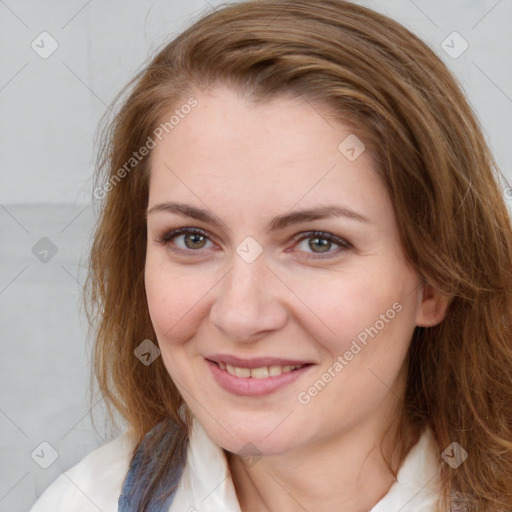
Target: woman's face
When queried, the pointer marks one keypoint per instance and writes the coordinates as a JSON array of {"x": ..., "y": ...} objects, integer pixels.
[{"x": 277, "y": 337}]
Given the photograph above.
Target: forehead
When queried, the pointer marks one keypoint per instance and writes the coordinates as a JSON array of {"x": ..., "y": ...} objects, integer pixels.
[{"x": 231, "y": 150}]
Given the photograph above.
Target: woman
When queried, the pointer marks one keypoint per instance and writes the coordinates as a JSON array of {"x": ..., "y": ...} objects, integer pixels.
[{"x": 367, "y": 369}]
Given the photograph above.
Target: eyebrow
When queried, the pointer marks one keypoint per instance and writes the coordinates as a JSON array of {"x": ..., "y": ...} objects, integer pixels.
[{"x": 275, "y": 224}]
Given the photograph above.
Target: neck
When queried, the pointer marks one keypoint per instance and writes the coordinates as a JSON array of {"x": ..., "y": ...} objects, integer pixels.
[{"x": 350, "y": 469}]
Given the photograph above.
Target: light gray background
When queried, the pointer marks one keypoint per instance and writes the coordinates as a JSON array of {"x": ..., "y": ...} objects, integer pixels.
[{"x": 49, "y": 112}]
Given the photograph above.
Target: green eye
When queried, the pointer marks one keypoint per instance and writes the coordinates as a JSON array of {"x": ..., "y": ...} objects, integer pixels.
[
  {"x": 323, "y": 242},
  {"x": 195, "y": 239}
]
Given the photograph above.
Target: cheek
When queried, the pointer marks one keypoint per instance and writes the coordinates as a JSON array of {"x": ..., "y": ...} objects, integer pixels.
[
  {"x": 173, "y": 302},
  {"x": 371, "y": 318},
  {"x": 342, "y": 306},
  {"x": 176, "y": 299}
]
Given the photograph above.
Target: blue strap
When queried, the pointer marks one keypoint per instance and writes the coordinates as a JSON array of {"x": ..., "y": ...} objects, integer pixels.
[{"x": 137, "y": 478}]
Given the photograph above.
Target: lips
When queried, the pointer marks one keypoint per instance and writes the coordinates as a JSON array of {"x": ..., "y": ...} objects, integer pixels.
[
  {"x": 256, "y": 362},
  {"x": 258, "y": 368},
  {"x": 255, "y": 377}
]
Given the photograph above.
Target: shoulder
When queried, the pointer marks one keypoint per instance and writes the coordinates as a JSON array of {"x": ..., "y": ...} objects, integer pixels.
[{"x": 94, "y": 483}]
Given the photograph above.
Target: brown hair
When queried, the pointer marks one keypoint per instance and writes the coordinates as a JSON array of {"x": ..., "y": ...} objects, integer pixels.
[{"x": 399, "y": 97}]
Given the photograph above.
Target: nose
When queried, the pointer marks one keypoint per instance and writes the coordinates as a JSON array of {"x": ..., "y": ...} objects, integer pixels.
[{"x": 249, "y": 302}]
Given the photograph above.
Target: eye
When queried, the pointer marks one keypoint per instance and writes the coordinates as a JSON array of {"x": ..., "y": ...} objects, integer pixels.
[
  {"x": 195, "y": 239},
  {"x": 320, "y": 243}
]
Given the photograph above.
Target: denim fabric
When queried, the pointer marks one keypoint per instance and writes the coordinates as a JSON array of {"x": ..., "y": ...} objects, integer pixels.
[{"x": 131, "y": 493}]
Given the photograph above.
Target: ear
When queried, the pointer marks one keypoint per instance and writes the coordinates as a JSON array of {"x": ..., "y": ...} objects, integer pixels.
[{"x": 432, "y": 306}]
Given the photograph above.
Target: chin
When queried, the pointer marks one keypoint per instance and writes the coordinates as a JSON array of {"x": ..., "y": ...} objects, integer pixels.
[{"x": 250, "y": 437}]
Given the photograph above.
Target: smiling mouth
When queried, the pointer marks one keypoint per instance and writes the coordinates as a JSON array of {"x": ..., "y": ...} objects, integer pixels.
[{"x": 263, "y": 372}]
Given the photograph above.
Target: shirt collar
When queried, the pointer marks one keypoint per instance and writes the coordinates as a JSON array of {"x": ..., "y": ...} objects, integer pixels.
[{"x": 206, "y": 482}]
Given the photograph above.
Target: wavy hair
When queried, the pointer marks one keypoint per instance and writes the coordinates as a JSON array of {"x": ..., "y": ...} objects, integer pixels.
[{"x": 375, "y": 76}]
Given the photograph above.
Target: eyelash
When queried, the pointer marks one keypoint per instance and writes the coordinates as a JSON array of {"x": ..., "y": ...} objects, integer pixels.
[{"x": 167, "y": 237}]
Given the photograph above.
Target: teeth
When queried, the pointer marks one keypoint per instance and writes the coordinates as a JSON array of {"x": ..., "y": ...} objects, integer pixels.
[
  {"x": 258, "y": 373},
  {"x": 274, "y": 370},
  {"x": 242, "y": 372}
]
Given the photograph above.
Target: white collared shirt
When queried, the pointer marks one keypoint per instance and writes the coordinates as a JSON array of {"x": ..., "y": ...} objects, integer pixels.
[{"x": 95, "y": 483}]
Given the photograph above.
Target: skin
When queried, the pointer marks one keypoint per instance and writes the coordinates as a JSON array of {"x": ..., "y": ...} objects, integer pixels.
[{"x": 248, "y": 163}]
